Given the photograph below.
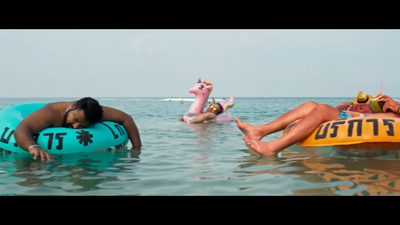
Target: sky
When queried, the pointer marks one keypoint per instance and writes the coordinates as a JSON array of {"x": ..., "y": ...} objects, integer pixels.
[{"x": 166, "y": 63}]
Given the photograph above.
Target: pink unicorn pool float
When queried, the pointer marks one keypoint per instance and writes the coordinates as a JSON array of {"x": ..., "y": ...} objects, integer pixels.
[{"x": 202, "y": 90}]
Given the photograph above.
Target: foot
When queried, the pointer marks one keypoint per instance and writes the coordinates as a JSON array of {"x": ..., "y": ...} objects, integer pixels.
[
  {"x": 260, "y": 147},
  {"x": 252, "y": 132}
]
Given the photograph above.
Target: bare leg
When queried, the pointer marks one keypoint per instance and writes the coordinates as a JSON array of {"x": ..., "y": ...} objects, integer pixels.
[
  {"x": 258, "y": 132},
  {"x": 299, "y": 132}
]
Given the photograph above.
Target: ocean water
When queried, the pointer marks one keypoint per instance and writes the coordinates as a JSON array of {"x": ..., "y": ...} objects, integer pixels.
[{"x": 199, "y": 159}]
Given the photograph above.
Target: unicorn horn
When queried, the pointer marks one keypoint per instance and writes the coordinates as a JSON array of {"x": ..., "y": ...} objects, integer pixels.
[
  {"x": 228, "y": 104},
  {"x": 199, "y": 81}
]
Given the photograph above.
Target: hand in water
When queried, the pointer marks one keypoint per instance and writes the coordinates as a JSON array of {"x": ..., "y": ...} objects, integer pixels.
[{"x": 40, "y": 153}]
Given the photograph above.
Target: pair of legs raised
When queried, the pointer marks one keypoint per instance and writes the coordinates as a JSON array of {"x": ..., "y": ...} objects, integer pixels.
[{"x": 312, "y": 115}]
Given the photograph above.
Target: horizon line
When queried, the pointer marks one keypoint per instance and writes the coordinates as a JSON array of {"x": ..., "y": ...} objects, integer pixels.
[{"x": 190, "y": 97}]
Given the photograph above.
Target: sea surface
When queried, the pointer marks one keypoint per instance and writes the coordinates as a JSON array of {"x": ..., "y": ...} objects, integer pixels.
[{"x": 199, "y": 159}]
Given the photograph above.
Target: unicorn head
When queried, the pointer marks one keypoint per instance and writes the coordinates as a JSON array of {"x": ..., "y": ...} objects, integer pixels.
[
  {"x": 227, "y": 105},
  {"x": 201, "y": 90}
]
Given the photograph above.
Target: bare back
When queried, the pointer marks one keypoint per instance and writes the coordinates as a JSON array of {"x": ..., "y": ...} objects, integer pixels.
[{"x": 50, "y": 115}]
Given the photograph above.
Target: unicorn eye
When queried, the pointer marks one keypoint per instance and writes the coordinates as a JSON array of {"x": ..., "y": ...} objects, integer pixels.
[{"x": 201, "y": 87}]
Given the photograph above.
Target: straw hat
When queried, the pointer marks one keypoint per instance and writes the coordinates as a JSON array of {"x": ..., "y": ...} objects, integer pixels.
[
  {"x": 362, "y": 97},
  {"x": 377, "y": 95}
]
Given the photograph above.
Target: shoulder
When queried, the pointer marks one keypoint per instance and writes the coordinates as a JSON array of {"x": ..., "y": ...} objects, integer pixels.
[
  {"x": 115, "y": 115},
  {"x": 109, "y": 110},
  {"x": 45, "y": 116},
  {"x": 48, "y": 110}
]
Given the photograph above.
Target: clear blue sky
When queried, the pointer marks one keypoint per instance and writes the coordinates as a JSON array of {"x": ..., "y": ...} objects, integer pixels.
[{"x": 165, "y": 63}]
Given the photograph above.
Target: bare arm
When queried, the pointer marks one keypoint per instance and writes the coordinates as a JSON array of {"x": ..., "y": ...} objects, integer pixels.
[
  {"x": 203, "y": 117},
  {"x": 390, "y": 105},
  {"x": 117, "y": 116},
  {"x": 181, "y": 118},
  {"x": 31, "y": 125}
]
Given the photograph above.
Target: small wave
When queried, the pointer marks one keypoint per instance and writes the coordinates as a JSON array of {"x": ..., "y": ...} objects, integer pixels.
[
  {"x": 221, "y": 100},
  {"x": 180, "y": 99},
  {"x": 136, "y": 99},
  {"x": 192, "y": 99},
  {"x": 108, "y": 99},
  {"x": 125, "y": 99}
]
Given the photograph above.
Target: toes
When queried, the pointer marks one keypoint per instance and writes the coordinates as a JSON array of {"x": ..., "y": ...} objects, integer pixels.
[{"x": 246, "y": 140}]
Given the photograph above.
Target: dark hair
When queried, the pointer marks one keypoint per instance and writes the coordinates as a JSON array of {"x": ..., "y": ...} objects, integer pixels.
[
  {"x": 91, "y": 108},
  {"x": 220, "y": 106}
]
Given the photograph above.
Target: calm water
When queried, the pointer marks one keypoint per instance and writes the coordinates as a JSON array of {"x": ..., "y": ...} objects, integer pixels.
[{"x": 198, "y": 159}]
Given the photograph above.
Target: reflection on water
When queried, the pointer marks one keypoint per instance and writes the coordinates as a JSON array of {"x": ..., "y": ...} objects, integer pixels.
[
  {"x": 363, "y": 150},
  {"x": 205, "y": 137},
  {"x": 123, "y": 173},
  {"x": 203, "y": 134},
  {"x": 293, "y": 172},
  {"x": 361, "y": 176},
  {"x": 209, "y": 135},
  {"x": 66, "y": 174}
]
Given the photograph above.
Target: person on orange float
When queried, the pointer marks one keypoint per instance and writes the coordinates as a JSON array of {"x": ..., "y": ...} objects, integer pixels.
[{"x": 312, "y": 115}]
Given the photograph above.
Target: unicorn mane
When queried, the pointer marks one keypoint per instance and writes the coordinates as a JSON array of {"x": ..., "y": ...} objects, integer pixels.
[{"x": 207, "y": 82}]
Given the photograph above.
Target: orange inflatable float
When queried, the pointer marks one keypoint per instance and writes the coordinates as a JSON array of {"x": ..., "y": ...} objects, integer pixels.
[
  {"x": 356, "y": 135},
  {"x": 352, "y": 131}
]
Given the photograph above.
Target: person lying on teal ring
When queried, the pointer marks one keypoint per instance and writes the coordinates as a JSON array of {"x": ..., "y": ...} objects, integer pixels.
[{"x": 75, "y": 114}]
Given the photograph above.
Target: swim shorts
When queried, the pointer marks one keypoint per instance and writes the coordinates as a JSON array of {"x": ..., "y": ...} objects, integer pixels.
[{"x": 343, "y": 115}]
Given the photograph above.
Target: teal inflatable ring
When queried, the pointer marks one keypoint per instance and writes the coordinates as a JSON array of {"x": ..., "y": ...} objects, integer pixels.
[{"x": 60, "y": 140}]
